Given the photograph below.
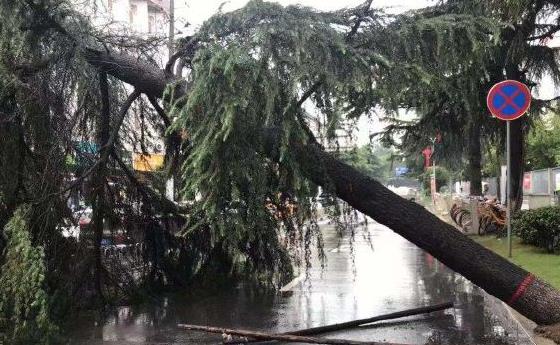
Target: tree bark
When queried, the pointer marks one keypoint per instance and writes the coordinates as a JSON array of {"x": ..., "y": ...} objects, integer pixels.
[
  {"x": 98, "y": 204},
  {"x": 529, "y": 295},
  {"x": 517, "y": 142},
  {"x": 474, "y": 158}
]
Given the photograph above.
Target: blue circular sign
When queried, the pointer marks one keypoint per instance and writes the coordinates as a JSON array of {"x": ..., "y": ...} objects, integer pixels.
[{"x": 509, "y": 100}]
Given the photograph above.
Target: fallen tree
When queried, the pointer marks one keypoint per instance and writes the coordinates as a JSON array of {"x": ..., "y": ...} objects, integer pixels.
[
  {"x": 264, "y": 62},
  {"x": 531, "y": 296}
]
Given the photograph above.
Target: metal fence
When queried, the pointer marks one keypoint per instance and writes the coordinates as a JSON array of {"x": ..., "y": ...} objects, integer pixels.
[
  {"x": 540, "y": 187},
  {"x": 555, "y": 177},
  {"x": 540, "y": 181}
]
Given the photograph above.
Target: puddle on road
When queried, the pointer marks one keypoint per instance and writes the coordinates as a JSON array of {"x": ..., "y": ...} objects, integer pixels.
[{"x": 386, "y": 275}]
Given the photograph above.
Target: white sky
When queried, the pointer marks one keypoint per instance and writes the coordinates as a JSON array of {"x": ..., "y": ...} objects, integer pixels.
[{"x": 197, "y": 11}]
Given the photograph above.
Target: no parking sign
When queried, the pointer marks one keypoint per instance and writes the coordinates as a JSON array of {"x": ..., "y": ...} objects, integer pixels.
[{"x": 509, "y": 100}]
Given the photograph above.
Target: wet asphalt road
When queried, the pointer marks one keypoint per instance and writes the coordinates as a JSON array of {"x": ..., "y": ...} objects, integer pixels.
[{"x": 380, "y": 273}]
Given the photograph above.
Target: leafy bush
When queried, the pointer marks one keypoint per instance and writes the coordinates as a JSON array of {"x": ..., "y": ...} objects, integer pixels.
[
  {"x": 539, "y": 227},
  {"x": 24, "y": 304},
  {"x": 442, "y": 178}
]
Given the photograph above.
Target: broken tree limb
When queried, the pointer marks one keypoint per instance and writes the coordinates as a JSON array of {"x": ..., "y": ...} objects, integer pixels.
[
  {"x": 356, "y": 323},
  {"x": 527, "y": 294},
  {"x": 281, "y": 337}
]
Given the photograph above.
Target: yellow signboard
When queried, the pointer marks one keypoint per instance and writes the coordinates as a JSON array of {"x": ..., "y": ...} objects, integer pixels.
[{"x": 147, "y": 162}]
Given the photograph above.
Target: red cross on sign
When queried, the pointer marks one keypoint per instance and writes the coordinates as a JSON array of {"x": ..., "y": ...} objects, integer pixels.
[{"x": 509, "y": 100}]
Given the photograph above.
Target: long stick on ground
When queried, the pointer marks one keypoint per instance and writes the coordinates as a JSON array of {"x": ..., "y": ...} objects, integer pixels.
[
  {"x": 356, "y": 323},
  {"x": 282, "y": 337}
]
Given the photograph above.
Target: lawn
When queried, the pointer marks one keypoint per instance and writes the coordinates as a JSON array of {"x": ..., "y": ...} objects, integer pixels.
[{"x": 535, "y": 260}]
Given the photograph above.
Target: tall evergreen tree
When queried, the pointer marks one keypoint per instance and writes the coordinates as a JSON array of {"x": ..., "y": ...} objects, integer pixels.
[{"x": 458, "y": 111}]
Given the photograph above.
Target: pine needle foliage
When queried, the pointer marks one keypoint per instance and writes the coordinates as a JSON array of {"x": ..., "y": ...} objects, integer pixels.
[
  {"x": 455, "y": 105},
  {"x": 263, "y": 67},
  {"x": 24, "y": 302}
]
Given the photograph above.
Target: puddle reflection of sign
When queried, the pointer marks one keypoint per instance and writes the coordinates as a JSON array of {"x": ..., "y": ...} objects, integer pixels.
[
  {"x": 147, "y": 162},
  {"x": 527, "y": 182}
]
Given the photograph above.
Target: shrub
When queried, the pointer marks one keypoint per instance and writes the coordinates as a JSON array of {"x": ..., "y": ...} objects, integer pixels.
[
  {"x": 442, "y": 178},
  {"x": 539, "y": 227},
  {"x": 24, "y": 304}
]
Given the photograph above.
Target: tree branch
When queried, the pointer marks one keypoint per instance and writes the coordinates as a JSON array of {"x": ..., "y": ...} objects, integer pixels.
[
  {"x": 549, "y": 34},
  {"x": 359, "y": 20},
  {"x": 294, "y": 107},
  {"x": 159, "y": 110},
  {"x": 106, "y": 150},
  {"x": 147, "y": 193}
]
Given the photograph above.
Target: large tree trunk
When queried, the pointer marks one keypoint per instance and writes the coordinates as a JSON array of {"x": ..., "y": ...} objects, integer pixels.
[
  {"x": 530, "y": 296},
  {"x": 99, "y": 193},
  {"x": 474, "y": 158},
  {"x": 517, "y": 142},
  {"x": 527, "y": 294}
]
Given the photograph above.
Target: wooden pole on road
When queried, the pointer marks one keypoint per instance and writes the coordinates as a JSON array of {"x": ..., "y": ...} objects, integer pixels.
[{"x": 281, "y": 337}]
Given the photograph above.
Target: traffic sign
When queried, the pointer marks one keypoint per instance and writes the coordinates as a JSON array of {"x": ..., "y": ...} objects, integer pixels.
[{"x": 509, "y": 100}]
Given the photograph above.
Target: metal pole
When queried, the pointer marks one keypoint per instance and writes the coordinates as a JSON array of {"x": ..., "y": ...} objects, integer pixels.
[{"x": 508, "y": 186}]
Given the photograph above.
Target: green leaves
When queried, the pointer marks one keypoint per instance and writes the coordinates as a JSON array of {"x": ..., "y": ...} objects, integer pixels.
[
  {"x": 539, "y": 227},
  {"x": 271, "y": 68},
  {"x": 24, "y": 303}
]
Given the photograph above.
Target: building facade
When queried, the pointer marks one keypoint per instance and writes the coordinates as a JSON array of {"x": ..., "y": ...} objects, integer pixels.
[{"x": 144, "y": 17}]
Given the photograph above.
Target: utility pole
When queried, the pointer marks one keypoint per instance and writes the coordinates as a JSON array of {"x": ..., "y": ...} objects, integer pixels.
[{"x": 171, "y": 27}]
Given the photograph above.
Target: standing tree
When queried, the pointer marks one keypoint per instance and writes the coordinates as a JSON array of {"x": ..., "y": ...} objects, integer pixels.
[{"x": 458, "y": 109}]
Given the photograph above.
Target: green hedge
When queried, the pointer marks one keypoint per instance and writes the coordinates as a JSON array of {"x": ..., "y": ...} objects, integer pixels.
[{"x": 539, "y": 227}]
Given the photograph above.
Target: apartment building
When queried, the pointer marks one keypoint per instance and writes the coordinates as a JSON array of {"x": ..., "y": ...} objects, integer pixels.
[{"x": 145, "y": 17}]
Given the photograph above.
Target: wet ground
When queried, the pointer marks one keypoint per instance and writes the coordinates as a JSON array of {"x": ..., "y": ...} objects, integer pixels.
[{"x": 380, "y": 273}]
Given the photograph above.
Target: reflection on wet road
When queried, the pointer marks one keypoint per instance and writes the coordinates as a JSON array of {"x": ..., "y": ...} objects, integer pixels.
[{"x": 380, "y": 273}]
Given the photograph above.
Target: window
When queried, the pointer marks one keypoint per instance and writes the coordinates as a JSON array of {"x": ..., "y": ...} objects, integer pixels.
[
  {"x": 132, "y": 13},
  {"x": 151, "y": 23}
]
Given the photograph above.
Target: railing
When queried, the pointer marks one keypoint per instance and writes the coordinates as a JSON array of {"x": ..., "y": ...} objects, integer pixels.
[{"x": 540, "y": 188}]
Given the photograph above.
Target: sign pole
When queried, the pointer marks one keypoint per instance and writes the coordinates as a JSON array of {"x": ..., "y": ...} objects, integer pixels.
[
  {"x": 508, "y": 187},
  {"x": 508, "y": 100}
]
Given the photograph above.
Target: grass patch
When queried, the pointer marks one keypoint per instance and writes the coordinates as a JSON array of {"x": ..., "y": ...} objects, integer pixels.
[{"x": 535, "y": 260}]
